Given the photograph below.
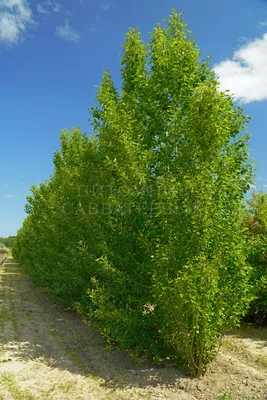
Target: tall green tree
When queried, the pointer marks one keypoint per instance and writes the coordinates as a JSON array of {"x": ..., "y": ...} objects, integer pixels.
[
  {"x": 172, "y": 129},
  {"x": 153, "y": 250}
]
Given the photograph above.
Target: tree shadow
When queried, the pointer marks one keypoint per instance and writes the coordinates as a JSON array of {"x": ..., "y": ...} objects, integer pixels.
[
  {"x": 251, "y": 332},
  {"x": 33, "y": 328}
]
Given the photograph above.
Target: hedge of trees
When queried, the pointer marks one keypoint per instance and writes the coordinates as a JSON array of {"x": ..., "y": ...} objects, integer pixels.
[
  {"x": 255, "y": 222},
  {"x": 7, "y": 241},
  {"x": 139, "y": 225},
  {"x": 3, "y": 251},
  {"x": 3, "y": 255}
]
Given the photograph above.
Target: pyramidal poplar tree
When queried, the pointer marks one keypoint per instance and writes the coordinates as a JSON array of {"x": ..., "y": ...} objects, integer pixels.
[{"x": 175, "y": 142}]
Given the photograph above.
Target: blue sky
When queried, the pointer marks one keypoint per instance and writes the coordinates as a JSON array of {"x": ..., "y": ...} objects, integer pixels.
[{"x": 52, "y": 54}]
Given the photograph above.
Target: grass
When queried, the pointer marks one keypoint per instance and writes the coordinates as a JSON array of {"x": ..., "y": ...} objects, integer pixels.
[
  {"x": 68, "y": 386},
  {"x": 17, "y": 394},
  {"x": 226, "y": 396},
  {"x": 4, "y": 314},
  {"x": 262, "y": 360}
]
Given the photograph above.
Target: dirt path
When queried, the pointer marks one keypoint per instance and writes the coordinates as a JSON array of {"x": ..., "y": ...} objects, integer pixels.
[{"x": 47, "y": 352}]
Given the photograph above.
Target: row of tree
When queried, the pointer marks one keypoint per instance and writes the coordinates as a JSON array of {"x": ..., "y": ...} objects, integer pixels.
[
  {"x": 7, "y": 241},
  {"x": 255, "y": 222},
  {"x": 140, "y": 226}
]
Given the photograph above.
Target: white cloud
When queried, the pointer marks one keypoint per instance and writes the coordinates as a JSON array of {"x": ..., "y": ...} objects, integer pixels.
[
  {"x": 47, "y": 7},
  {"x": 105, "y": 6},
  {"x": 9, "y": 196},
  {"x": 263, "y": 23},
  {"x": 15, "y": 18},
  {"x": 41, "y": 9},
  {"x": 66, "y": 32},
  {"x": 57, "y": 7},
  {"x": 246, "y": 74}
]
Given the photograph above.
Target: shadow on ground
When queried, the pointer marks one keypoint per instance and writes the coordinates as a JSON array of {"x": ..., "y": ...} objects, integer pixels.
[
  {"x": 252, "y": 332},
  {"x": 33, "y": 328}
]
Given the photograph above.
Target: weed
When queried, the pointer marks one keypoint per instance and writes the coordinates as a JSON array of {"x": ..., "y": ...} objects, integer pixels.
[
  {"x": 14, "y": 390},
  {"x": 226, "y": 396}
]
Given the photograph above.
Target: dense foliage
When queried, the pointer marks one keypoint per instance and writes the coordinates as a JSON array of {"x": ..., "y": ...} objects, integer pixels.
[
  {"x": 140, "y": 226},
  {"x": 7, "y": 241},
  {"x": 3, "y": 251},
  {"x": 256, "y": 224}
]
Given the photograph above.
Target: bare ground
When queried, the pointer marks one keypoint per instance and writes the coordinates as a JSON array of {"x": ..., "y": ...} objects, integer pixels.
[{"x": 47, "y": 352}]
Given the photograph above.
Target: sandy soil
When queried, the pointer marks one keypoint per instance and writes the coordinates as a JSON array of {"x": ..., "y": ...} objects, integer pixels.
[{"x": 47, "y": 352}]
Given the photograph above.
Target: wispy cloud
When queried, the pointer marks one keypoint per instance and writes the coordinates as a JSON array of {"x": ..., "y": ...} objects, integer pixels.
[
  {"x": 9, "y": 196},
  {"x": 67, "y": 33},
  {"x": 57, "y": 7},
  {"x": 42, "y": 10},
  {"x": 15, "y": 19},
  {"x": 245, "y": 75},
  {"x": 263, "y": 23},
  {"x": 105, "y": 6},
  {"x": 48, "y": 6}
]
